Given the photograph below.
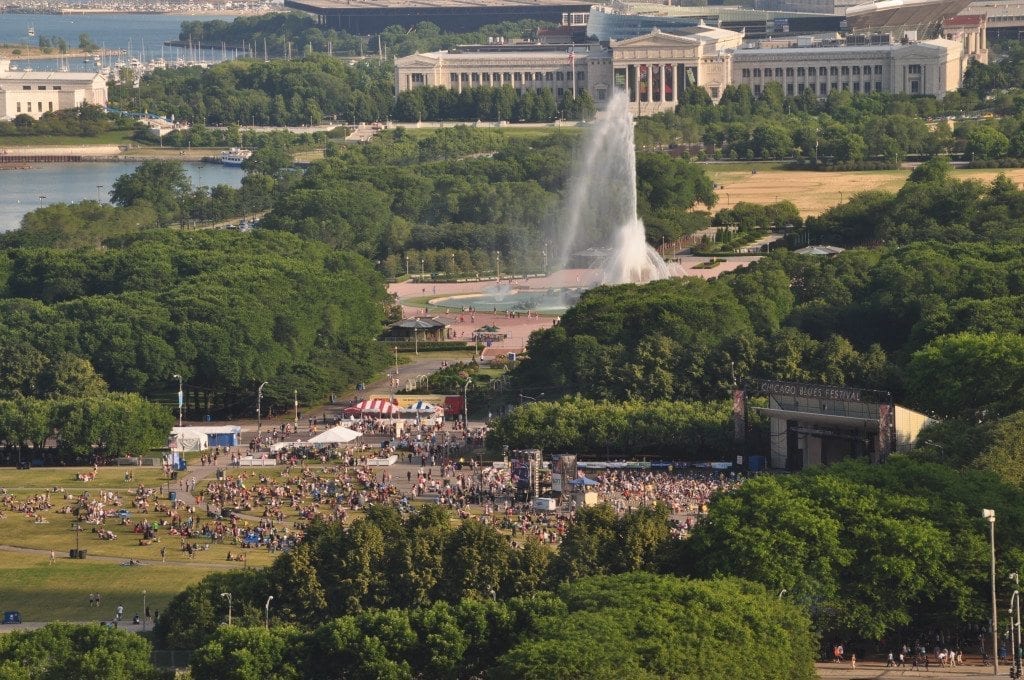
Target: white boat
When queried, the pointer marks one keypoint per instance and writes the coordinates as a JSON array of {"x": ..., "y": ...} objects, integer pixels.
[
  {"x": 234, "y": 157},
  {"x": 31, "y": 31}
]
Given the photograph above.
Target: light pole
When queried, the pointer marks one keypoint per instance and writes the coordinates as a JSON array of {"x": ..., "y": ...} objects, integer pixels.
[
  {"x": 181, "y": 400},
  {"x": 228, "y": 596},
  {"x": 266, "y": 609},
  {"x": 259, "y": 406},
  {"x": 421, "y": 269},
  {"x": 296, "y": 397},
  {"x": 407, "y": 265},
  {"x": 990, "y": 515},
  {"x": 396, "y": 368},
  {"x": 98, "y": 188},
  {"x": 143, "y": 611},
  {"x": 1015, "y": 633},
  {"x": 497, "y": 265},
  {"x": 465, "y": 404}
]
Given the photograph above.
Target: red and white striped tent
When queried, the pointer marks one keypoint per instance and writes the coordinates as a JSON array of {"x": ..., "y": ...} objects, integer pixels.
[{"x": 372, "y": 407}]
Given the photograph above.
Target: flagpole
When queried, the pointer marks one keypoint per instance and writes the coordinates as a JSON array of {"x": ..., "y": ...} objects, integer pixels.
[{"x": 572, "y": 64}]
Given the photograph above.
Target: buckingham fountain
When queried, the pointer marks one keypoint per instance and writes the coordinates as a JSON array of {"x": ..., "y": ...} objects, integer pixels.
[
  {"x": 601, "y": 210},
  {"x": 598, "y": 216}
]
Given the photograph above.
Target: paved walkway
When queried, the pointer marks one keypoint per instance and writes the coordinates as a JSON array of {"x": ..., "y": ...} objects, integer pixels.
[{"x": 870, "y": 670}]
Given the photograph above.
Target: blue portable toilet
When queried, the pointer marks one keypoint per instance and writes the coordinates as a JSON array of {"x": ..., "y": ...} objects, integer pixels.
[{"x": 756, "y": 463}]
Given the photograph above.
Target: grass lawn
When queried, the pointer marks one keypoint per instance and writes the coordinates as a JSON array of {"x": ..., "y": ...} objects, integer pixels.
[
  {"x": 814, "y": 192},
  {"x": 114, "y": 137},
  {"x": 45, "y": 592},
  {"x": 16, "y": 529}
]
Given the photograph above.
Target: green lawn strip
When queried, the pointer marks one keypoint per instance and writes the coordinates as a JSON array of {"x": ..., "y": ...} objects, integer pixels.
[
  {"x": 116, "y": 137},
  {"x": 60, "y": 592},
  {"x": 517, "y": 132}
]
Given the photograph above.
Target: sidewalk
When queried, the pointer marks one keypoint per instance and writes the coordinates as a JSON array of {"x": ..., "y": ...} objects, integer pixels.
[{"x": 869, "y": 670}]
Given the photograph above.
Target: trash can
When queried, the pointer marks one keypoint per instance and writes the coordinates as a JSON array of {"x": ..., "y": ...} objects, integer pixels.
[
  {"x": 173, "y": 496},
  {"x": 73, "y": 554},
  {"x": 81, "y": 553},
  {"x": 182, "y": 466}
]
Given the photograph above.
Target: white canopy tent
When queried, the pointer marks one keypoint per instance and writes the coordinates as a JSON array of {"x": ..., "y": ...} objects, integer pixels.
[{"x": 335, "y": 435}]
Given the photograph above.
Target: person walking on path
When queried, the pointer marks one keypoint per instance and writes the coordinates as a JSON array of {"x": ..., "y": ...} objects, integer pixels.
[{"x": 53, "y": 557}]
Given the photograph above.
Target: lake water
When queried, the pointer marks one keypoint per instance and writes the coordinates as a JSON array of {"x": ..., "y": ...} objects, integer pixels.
[
  {"x": 142, "y": 34},
  {"x": 20, "y": 190}
]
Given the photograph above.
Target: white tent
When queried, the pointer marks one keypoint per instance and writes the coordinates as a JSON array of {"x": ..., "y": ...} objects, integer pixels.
[
  {"x": 183, "y": 439},
  {"x": 335, "y": 435}
]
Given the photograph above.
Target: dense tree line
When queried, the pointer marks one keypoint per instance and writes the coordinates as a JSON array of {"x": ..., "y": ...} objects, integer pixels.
[
  {"x": 634, "y": 626},
  {"x": 492, "y": 104},
  {"x": 932, "y": 205},
  {"x": 844, "y": 127},
  {"x": 279, "y": 29},
  {"x": 866, "y": 549},
  {"x": 63, "y": 650},
  {"x": 619, "y": 430},
  {"x": 226, "y": 310},
  {"x": 689, "y": 340},
  {"x": 246, "y": 92},
  {"x": 81, "y": 121},
  {"x": 419, "y": 597},
  {"x": 81, "y": 427}
]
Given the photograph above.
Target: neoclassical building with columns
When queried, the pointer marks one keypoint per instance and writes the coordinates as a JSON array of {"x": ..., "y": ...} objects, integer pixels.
[{"x": 655, "y": 69}]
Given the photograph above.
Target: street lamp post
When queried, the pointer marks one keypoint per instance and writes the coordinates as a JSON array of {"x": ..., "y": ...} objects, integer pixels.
[
  {"x": 1015, "y": 632},
  {"x": 407, "y": 265},
  {"x": 259, "y": 406},
  {"x": 228, "y": 596},
  {"x": 181, "y": 400},
  {"x": 296, "y": 398},
  {"x": 990, "y": 515},
  {"x": 144, "y": 611},
  {"x": 266, "y": 609},
  {"x": 497, "y": 264},
  {"x": 465, "y": 404},
  {"x": 422, "y": 275}
]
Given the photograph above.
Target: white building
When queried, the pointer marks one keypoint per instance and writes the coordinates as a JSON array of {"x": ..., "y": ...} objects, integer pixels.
[
  {"x": 525, "y": 68},
  {"x": 37, "y": 92},
  {"x": 932, "y": 67},
  {"x": 656, "y": 68}
]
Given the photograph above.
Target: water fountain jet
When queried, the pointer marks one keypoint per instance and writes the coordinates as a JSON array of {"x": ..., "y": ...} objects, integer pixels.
[{"x": 601, "y": 209}]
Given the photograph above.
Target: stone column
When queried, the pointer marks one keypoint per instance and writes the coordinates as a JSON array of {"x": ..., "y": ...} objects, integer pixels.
[{"x": 661, "y": 81}]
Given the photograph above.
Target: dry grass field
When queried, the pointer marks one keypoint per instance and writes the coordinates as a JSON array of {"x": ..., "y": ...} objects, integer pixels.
[{"x": 814, "y": 192}]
